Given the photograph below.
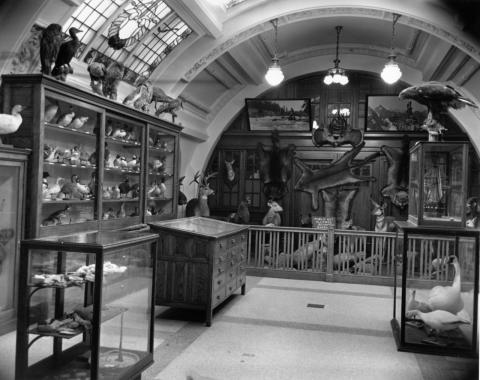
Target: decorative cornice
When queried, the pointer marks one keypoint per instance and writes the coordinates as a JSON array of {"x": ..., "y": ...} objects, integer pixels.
[{"x": 329, "y": 12}]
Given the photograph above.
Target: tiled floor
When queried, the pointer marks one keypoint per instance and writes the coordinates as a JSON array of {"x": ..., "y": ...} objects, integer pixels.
[{"x": 271, "y": 333}]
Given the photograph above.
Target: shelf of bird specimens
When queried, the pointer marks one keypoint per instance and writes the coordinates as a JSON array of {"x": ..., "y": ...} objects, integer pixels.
[{"x": 436, "y": 291}]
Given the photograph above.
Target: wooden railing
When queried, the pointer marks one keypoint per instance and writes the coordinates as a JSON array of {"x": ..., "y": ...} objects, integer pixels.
[
  {"x": 326, "y": 253},
  {"x": 353, "y": 256}
]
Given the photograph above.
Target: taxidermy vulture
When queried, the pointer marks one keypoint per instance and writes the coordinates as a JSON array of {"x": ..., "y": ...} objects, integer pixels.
[
  {"x": 50, "y": 42},
  {"x": 438, "y": 97},
  {"x": 65, "y": 54}
]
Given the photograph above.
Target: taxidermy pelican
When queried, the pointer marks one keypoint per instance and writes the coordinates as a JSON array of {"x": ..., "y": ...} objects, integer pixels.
[
  {"x": 11, "y": 123},
  {"x": 438, "y": 97},
  {"x": 50, "y": 41},
  {"x": 447, "y": 298},
  {"x": 67, "y": 52},
  {"x": 439, "y": 320}
]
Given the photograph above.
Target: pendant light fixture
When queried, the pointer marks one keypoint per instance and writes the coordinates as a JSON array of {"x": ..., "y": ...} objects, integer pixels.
[
  {"x": 274, "y": 75},
  {"x": 336, "y": 74},
  {"x": 391, "y": 72}
]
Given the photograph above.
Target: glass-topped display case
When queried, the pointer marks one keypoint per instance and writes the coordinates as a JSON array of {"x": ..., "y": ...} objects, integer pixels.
[
  {"x": 85, "y": 308},
  {"x": 435, "y": 309},
  {"x": 438, "y": 183}
]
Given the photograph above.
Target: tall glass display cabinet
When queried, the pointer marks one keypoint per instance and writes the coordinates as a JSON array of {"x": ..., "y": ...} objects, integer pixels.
[
  {"x": 12, "y": 190},
  {"x": 86, "y": 306},
  {"x": 89, "y": 168},
  {"x": 438, "y": 184},
  {"x": 435, "y": 308}
]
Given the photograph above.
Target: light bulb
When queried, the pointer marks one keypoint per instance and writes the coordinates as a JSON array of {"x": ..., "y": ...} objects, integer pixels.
[
  {"x": 343, "y": 80},
  {"x": 274, "y": 75},
  {"x": 328, "y": 80},
  {"x": 336, "y": 77},
  {"x": 391, "y": 72}
]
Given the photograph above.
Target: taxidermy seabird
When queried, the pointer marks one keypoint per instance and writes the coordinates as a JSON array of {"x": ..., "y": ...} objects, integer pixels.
[
  {"x": 50, "y": 41},
  {"x": 11, "y": 123},
  {"x": 438, "y": 97},
  {"x": 67, "y": 52}
]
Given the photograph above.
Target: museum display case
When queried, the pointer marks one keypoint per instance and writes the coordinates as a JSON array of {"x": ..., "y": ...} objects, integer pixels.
[
  {"x": 435, "y": 309},
  {"x": 85, "y": 307},
  {"x": 438, "y": 183},
  {"x": 89, "y": 158},
  {"x": 12, "y": 207},
  {"x": 200, "y": 262}
]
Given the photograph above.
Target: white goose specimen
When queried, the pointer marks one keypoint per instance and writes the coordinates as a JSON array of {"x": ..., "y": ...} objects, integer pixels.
[
  {"x": 413, "y": 304},
  {"x": 447, "y": 298},
  {"x": 11, "y": 123},
  {"x": 438, "y": 320}
]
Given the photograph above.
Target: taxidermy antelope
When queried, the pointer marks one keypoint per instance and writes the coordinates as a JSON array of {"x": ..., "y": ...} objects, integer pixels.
[
  {"x": 382, "y": 223},
  {"x": 199, "y": 206},
  {"x": 272, "y": 217}
]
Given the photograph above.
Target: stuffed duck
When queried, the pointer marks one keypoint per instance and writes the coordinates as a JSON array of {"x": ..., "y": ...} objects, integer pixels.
[{"x": 439, "y": 320}]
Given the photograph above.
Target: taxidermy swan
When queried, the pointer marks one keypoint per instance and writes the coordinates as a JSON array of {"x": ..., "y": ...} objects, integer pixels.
[
  {"x": 413, "y": 304},
  {"x": 439, "y": 320},
  {"x": 447, "y": 298}
]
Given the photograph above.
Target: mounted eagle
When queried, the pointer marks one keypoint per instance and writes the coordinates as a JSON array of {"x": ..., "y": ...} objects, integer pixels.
[{"x": 438, "y": 97}]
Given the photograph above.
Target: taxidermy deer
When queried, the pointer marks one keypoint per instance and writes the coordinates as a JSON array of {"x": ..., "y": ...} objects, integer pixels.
[
  {"x": 382, "y": 222},
  {"x": 272, "y": 217},
  {"x": 199, "y": 206}
]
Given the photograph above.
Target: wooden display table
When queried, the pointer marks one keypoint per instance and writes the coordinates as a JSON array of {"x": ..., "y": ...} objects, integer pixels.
[{"x": 200, "y": 262}]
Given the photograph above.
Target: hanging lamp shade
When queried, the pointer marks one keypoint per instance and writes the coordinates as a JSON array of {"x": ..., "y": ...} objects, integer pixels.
[
  {"x": 391, "y": 73},
  {"x": 274, "y": 75}
]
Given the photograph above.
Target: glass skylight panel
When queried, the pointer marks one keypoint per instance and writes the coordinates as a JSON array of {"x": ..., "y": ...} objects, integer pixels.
[{"x": 150, "y": 23}]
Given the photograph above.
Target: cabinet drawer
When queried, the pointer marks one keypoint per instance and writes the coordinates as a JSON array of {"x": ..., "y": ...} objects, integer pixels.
[
  {"x": 231, "y": 274},
  {"x": 218, "y": 296},
  {"x": 231, "y": 286},
  {"x": 218, "y": 282}
]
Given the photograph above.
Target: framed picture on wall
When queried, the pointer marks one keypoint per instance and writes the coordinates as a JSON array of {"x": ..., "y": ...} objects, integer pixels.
[
  {"x": 388, "y": 113},
  {"x": 280, "y": 114}
]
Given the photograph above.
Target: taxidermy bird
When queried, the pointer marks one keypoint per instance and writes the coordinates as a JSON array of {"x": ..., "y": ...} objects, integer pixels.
[
  {"x": 438, "y": 97},
  {"x": 170, "y": 107},
  {"x": 9, "y": 123},
  {"x": 70, "y": 189},
  {"x": 78, "y": 122},
  {"x": 124, "y": 187},
  {"x": 447, "y": 298},
  {"x": 413, "y": 304},
  {"x": 66, "y": 118},
  {"x": 115, "y": 192},
  {"x": 50, "y": 112},
  {"x": 438, "y": 320},
  {"x": 121, "y": 212},
  {"x": 66, "y": 53},
  {"x": 141, "y": 97},
  {"x": 114, "y": 72},
  {"x": 97, "y": 71},
  {"x": 55, "y": 189},
  {"x": 56, "y": 217},
  {"x": 50, "y": 41},
  {"x": 49, "y": 153},
  {"x": 119, "y": 133}
]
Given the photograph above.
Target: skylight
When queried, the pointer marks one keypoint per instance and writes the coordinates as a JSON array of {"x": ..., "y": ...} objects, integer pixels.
[{"x": 146, "y": 31}]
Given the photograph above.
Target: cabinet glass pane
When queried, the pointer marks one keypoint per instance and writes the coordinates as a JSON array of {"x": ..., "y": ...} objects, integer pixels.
[
  {"x": 161, "y": 184},
  {"x": 69, "y": 163},
  {"x": 122, "y": 168},
  {"x": 9, "y": 185},
  {"x": 125, "y": 310}
]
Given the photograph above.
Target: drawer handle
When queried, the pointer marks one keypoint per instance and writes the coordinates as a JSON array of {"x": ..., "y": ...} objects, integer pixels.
[
  {"x": 219, "y": 282},
  {"x": 231, "y": 274},
  {"x": 218, "y": 297},
  {"x": 220, "y": 270}
]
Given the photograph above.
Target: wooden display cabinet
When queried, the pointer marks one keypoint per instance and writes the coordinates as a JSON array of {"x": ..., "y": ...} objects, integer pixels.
[
  {"x": 438, "y": 184},
  {"x": 12, "y": 206},
  {"x": 200, "y": 262},
  {"x": 89, "y": 166},
  {"x": 89, "y": 299}
]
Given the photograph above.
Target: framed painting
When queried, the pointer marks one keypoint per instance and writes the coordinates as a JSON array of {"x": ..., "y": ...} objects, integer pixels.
[
  {"x": 388, "y": 113},
  {"x": 280, "y": 114}
]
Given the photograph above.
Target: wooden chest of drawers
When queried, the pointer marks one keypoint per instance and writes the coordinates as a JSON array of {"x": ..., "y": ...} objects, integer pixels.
[{"x": 200, "y": 262}]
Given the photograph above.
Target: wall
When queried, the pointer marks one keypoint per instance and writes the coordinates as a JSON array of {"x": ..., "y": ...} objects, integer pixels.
[{"x": 296, "y": 203}]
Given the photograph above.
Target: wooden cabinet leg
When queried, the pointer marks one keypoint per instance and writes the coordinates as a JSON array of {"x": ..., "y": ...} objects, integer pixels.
[
  {"x": 208, "y": 322},
  {"x": 243, "y": 289}
]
